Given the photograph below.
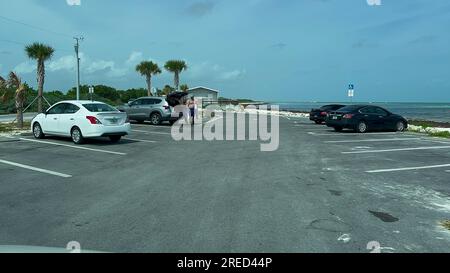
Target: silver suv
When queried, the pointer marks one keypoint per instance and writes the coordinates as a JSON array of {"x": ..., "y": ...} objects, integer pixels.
[{"x": 154, "y": 109}]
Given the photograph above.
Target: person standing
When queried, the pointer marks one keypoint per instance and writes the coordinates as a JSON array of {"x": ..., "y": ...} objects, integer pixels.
[{"x": 192, "y": 105}]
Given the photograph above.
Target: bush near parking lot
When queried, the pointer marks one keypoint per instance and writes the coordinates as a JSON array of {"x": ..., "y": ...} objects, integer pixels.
[{"x": 102, "y": 93}]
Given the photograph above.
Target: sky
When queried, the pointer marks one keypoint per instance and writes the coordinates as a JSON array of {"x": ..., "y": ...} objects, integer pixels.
[{"x": 276, "y": 50}]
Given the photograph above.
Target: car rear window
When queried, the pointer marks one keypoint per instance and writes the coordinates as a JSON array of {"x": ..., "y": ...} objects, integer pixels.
[
  {"x": 350, "y": 108},
  {"x": 99, "y": 107}
]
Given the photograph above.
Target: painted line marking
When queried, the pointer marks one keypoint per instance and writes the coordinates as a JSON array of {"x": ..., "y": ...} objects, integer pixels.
[
  {"x": 398, "y": 150},
  {"x": 151, "y": 126},
  {"x": 140, "y": 140},
  {"x": 374, "y": 140},
  {"x": 148, "y": 132},
  {"x": 352, "y": 134},
  {"x": 35, "y": 169},
  {"x": 409, "y": 169},
  {"x": 72, "y": 146}
]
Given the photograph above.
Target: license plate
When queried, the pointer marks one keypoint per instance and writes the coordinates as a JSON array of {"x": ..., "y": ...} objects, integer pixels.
[{"x": 335, "y": 117}]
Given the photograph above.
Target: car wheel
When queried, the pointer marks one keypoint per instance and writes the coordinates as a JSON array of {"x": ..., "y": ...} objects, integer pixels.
[
  {"x": 37, "y": 131},
  {"x": 338, "y": 129},
  {"x": 155, "y": 119},
  {"x": 115, "y": 139},
  {"x": 77, "y": 136},
  {"x": 361, "y": 127},
  {"x": 400, "y": 126}
]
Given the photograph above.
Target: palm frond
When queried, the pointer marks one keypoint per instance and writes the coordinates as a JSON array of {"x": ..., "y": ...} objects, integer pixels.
[
  {"x": 148, "y": 68},
  {"x": 175, "y": 66},
  {"x": 14, "y": 81},
  {"x": 39, "y": 51}
]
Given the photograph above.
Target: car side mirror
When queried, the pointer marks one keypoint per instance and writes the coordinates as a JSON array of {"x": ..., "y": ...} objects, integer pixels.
[{"x": 130, "y": 102}]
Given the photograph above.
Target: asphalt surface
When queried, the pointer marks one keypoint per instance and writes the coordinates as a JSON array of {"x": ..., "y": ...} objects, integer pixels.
[{"x": 153, "y": 194}]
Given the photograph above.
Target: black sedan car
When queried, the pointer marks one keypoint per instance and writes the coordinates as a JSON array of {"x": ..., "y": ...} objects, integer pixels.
[
  {"x": 320, "y": 115},
  {"x": 364, "y": 118}
]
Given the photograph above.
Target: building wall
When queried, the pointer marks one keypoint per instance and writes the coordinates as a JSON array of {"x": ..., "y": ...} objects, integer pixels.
[{"x": 204, "y": 94}]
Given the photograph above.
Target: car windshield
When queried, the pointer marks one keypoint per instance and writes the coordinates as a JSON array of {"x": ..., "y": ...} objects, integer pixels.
[{"x": 99, "y": 107}]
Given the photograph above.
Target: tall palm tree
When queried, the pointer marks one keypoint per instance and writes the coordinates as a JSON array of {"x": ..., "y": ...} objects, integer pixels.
[
  {"x": 176, "y": 67},
  {"x": 147, "y": 69},
  {"x": 15, "y": 82},
  {"x": 41, "y": 53}
]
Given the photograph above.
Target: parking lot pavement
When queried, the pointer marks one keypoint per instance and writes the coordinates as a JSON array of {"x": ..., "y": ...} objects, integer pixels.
[{"x": 153, "y": 194}]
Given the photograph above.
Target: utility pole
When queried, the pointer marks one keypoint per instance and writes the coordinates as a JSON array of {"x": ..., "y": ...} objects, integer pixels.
[{"x": 77, "y": 47}]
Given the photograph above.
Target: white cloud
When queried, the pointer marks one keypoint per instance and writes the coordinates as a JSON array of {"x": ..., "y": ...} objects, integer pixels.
[
  {"x": 233, "y": 75},
  {"x": 73, "y": 2},
  {"x": 25, "y": 68},
  {"x": 99, "y": 66},
  {"x": 64, "y": 63},
  {"x": 135, "y": 58}
]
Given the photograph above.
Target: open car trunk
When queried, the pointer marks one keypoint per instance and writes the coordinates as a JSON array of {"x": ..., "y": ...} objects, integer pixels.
[{"x": 176, "y": 98}]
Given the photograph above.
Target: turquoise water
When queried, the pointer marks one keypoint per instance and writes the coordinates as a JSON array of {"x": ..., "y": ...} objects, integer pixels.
[{"x": 427, "y": 111}]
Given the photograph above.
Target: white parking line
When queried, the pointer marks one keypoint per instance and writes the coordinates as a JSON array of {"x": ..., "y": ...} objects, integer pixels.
[
  {"x": 35, "y": 169},
  {"x": 374, "y": 140},
  {"x": 398, "y": 150},
  {"x": 72, "y": 146},
  {"x": 140, "y": 140},
  {"x": 352, "y": 134},
  {"x": 148, "y": 132},
  {"x": 409, "y": 169}
]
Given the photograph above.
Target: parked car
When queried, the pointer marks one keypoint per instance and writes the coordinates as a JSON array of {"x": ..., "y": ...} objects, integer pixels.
[
  {"x": 80, "y": 120},
  {"x": 320, "y": 115},
  {"x": 364, "y": 118},
  {"x": 153, "y": 109}
]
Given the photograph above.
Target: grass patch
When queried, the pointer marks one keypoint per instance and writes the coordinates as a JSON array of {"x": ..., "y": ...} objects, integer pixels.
[
  {"x": 10, "y": 127},
  {"x": 446, "y": 224},
  {"x": 445, "y": 134},
  {"x": 427, "y": 123}
]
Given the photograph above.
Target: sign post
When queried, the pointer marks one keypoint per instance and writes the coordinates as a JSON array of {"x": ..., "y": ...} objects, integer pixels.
[
  {"x": 91, "y": 92},
  {"x": 351, "y": 91}
]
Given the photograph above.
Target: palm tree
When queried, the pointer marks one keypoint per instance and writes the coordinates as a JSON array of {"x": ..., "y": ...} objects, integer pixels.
[
  {"x": 3, "y": 86},
  {"x": 176, "y": 67},
  {"x": 184, "y": 87},
  {"x": 15, "y": 82},
  {"x": 147, "y": 69},
  {"x": 40, "y": 53}
]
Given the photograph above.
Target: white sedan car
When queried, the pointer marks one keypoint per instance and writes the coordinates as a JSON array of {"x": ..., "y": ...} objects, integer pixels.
[{"x": 81, "y": 120}]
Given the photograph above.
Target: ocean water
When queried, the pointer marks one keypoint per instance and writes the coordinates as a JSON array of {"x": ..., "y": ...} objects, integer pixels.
[{"x": 426, "y": 111}]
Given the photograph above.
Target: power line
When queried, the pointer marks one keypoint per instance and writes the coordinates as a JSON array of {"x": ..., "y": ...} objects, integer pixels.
[
  {"x": 34, "y": 27},
  {"x": 23, "y": 44}
]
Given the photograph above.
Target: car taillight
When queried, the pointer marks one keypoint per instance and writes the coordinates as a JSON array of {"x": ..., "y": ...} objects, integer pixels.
[
  {"x": 348, "y": 116},
  {"x": 167, "y": 107},
  {"x": 93, "y": 120},
  {"x": 324, "y": 113}
]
